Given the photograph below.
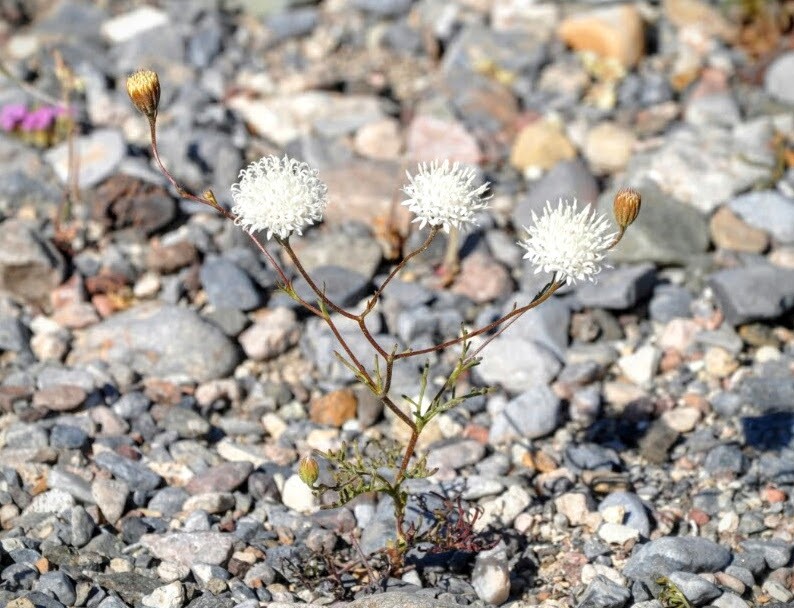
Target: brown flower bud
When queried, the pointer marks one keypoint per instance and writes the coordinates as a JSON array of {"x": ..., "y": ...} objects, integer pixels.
[
  {"x": 143, "y": 87},
  {"x": 308, "y": 470},
  {"x": 626, "y": 206}
]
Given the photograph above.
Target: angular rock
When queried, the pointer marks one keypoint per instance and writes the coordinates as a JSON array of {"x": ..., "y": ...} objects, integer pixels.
[
  {"x": 614, "y": 32},
  {"x": 189, "y": 548},
  {"x": 533, "y": 414},
  {"x": 668, "y": 554},
  {"x": 619, "y": 289},
  {"x": 159, "y": 340},
  {"x": 30, "y": 267},
  {"x": 517, "y": 364},
  {"x": 756, "y": 292},
  {"x": 227, "y": 286},
  {"x": 767, "y": 210}
]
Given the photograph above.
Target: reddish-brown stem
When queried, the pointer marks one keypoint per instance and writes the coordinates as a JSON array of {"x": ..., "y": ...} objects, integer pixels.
[
  {"x": 539, "y": 299},
  {"x": 409, "y": 452},
  {"x": 395, "y": 271}
]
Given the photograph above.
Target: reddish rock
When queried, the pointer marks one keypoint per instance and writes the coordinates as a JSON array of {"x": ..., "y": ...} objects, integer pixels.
[
  {"x": 430, "y": 138},
  {"x": 482, "y": 279},
  {"x": 62, "y": 398}
]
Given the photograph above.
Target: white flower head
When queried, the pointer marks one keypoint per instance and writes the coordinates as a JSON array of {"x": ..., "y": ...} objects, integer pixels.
[
  {"x": 279, "y": 195},
  {"x": 568, "y": 242},
  {"x": 444, "y": 195}
]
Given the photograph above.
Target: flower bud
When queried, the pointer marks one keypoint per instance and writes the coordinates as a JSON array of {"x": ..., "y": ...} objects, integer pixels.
[
  {"x": 626, "y": 206},
  {"x": 143, "y": 87},
  {"x": 308, "y": 470}
]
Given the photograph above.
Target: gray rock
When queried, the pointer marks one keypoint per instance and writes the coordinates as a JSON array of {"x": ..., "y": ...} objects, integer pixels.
[
  {"x": 533, "y": 414},
  {"x": 776, "y": 552},
  {"x": 636, "y": 515},
  {"x": 227, "y": 286},
  {"x": 666, "y": 231},
  {"x": 30, "y": 266},
  {"x": 604, "y": 593},
  {"x": 71, "y": 483},
  {"x": 455, "y": 454},
  {"x": 724, "y": 337},
  {"x": 618, "y": 289},
  {"x": 293, "y": 23},
  {"x": 697, "y": 589},
  {"x": 717, "y": 109},
  {"x": 767, "y": 210},
  {"x": 185, "y": 423},
  {"x": 14, "y": 336},
  {"x": 570, "y": 179},
  {"x": 57, "y": 584},
  {"x": 669, "y": 554},
  {"x": 67, "y": 437},
  {"x": 159, "y": 340},
  {"x": 669, "y": 302},
  {"x": 400, "y": 599},
  {"x": 725, "y": 458},
  {"x": 516, "y": 364},
  {"x": 729, "y": 600},
  {"x": 23, "y": 435},
  {"x": 742, "y": 573},
  {"x": 134, "y": 474},
  {"x": 342, "y": 286},
  {"x": 547, "y": 324},
  {"x": 168, "y": 501},
  {"x": 362, "y": 252},
  {"x": 777, "y": 80},
  {"x": 755, "y": 292},
  {"x": 82, "y": 526},
  {"x": 591, "y": 457},
  {"x": 768, "y": 393},
  {"x": 189, "y": 548},
  {"x": 99, "y": 154}
]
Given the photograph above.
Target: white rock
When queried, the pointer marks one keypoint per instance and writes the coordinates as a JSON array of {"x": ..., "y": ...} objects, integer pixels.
[
  {"x": 682, "y": 419},
  {"x": 590, "y": 571},
  {"x": 128, "y": 25},
  {"x": 271, "y": 334},
  {"x": 51, "y": 501},
  {"x": 99, "y": 154},
  {"x": 167, "y": 596},
  {"x": 111, "y": 497},
  {"x": 504, "y": 509},
  {"x": 617, "y": 534},
  {"x": 172, "y": 571},
  {"x": 641, "y": 365},
  {"x": 491, "y": 576},
  {"x": 575, "y": 506},
  {"x": 298, "y": 496}
]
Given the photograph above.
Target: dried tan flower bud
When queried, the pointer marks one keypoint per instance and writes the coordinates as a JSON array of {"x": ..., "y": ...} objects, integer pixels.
[
  {"x": 626, "y": 206},
  {"x": 308, "y": 470},
  {"x": 143, "y": 87}
]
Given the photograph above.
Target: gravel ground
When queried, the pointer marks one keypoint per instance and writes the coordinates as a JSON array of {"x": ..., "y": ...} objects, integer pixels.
[{"x": 157, "y": 391}]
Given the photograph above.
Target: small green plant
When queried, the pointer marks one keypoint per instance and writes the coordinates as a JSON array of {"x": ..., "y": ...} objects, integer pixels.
[{"x": 281, "y": 196}]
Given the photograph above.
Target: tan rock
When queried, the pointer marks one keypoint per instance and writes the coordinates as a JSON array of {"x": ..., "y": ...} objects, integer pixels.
[
  {"x": 482, "y": 279},
  {"x": 380, "y": 140},
  {"x": 700, "y": 14},
  {"x": 729, "y": 231},
  {"x": 608, "y": 147},
  {"x": 335, "y": 408},
  {"x": 540, "y": 145},
  {"x": 719, "y": 362},
  {"x": 682, "y": 419},
  {"x": 615, "y": 32}
]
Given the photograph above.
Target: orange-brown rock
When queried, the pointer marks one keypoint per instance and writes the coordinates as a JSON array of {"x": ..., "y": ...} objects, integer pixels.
[
  {"x": 540, "y": 145},
  {"x": 615, "y": 32},
  {"x": 729, "y": 231},
  {"x": 335, "y": 408}
]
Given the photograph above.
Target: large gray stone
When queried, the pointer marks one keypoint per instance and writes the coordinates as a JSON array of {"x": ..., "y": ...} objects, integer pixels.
[
  {"x": 159, "y": 340},
  {"x": 30, "y": 267},
  {"x": 533, "y": 414},
  {"x": 666, "y": 231},
  {"x": 754, "y": 292},
  {"x": 668, "y": 554},
  {"x": 768, "y": 210},
  {"x": 547, "y": 324},
  {"x": 777, "y": 80},
  {"x": 619, "y": 288},
  {"x": 517, "y": 364}
]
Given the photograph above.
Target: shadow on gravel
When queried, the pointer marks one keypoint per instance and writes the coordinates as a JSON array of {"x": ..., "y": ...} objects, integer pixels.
[{"x": 769, "y": 431}]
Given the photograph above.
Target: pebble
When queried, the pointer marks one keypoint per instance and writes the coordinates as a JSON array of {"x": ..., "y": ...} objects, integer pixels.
[
  {"x": 769, "y": 211},
  {"x": 532, "y": 414},
  {"x": 608, "y": 147},
  {"x": 619, "y": 289},
  {"x": 776, "y": 80},
  {"x": 540, "y": 145},
  {"x": 99, "y": 155},
  {"x": 167, "y": 596},
  {"x": 189, "y": 548},
  {"x": 604, "y": 592},
  {"x": 297, "y": 496},
  {"x": 636, "y": 515},
  {"x": 696, "y": 588},
  {"x": 729, "y": 231},
  {"x": 227, "y": 286},
  {"x": 335, "y": 408},
  {"x": 755, "y": 292},
  {"x": 614, "y": 32},
  {"x": 111, "y": 498},
  {"x": 30, "y": 267},
  {"x": 490, "y": 576},
  {"x": 668, "y": 554}
]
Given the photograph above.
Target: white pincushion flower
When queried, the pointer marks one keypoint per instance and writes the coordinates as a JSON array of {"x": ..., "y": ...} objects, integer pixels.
[
  {"x": 568, "y": 242},
  {"x": 279, "y": 195},
  {"x": 444, "y": 195}
]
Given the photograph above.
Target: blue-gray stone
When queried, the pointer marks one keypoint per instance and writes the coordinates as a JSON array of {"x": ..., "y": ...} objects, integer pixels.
[
  {"x": 591, "y": 457},
  {"x": 768, "y": 393},
  {"x": 342, "y": 286},
  {"x": 65, "y": 436},
  {"x": 57, "y": 584},
  {"x": 725, "y": 458},
  {"x": 227, "y": 286},
  {"x": 697, "y": 589},
  {"x": 547, "y": 324},
  {"x": 533, "y": 414},
  {"x": 131, "y": 405},
  {"x": 665, "y": 232},
  {"x": 384, "y": 8},
  {"x": 636, "y": 515},
  {"x": 669, "y": 554},
  {"x": 570, "y": 179},
  {"x": 740, "y": 572},
  {"x": 160, "y": 340},
  {"x": 726, "y": 404},
  {"x": 669, "y": 302},
  {"x": 761, "y": 291},
  {"x": 135, "y": 474},
  {"x": 776, "y": 552},
  {"x": 767, "y": 210},
  {"x": 620, "y": 288},
  {"x": 14, "y": 336},
  {"x": 292, "y": 23},
  {"x": 604, "y": 593},
  {"x": 205, "y": 43},
  {"x": 517, "y": 364}
]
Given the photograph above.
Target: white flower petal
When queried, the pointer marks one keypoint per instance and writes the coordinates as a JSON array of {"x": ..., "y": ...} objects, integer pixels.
[
  {"x": 443, "y": 195},
  {"x": 278, "y": 195},
  {"x": 569, "y": 243}
]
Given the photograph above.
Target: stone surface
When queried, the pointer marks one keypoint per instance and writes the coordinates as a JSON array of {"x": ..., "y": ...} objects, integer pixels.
[
  {"x": 164, "y": 340},
  {"x": 532, "y": 414},
  {"x": 620, "y": 288},
  {"x": 614, "y": 32},
  {"x": 754, "y": 292},
  {"x": 189, "y": 548},
  {"x": 769, "y": 211},
  {"x": 777, "y": 81},
  {"x": 662, "y": 556},
  {"x": 30, "y": 267},
  {"x": 730, "y": 232},
  {"x": 517, "y": 364},
  {"x": 99, "y": 154},
  {"x": 540, "y": 145}
]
